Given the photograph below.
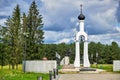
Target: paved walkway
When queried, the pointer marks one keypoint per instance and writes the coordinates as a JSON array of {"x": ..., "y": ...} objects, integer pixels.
[{"x": 89, "y": 77}]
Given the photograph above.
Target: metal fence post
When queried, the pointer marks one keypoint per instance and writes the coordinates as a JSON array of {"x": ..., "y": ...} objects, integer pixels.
[
  {"x": 50, "y": 75},
  {"x": 54, "y": 73},
  {"x": 57, "y": 71}
]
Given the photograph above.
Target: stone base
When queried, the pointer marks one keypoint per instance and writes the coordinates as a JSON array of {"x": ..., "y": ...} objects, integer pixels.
[
  {"x": 87, "y": 69},
  {"x": 68, "y": 69}
]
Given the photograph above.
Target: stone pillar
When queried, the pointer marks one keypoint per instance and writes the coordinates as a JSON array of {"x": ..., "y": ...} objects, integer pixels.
[
  {"x": 86, "y": 62},
  {"x": 67, "y": 62},
  {"x": 77, "y": 55}
]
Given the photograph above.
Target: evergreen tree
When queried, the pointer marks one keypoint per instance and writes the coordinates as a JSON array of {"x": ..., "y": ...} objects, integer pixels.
[
  {"x": 107, "y": 55},
  {"x": 3, "y": 45},
  {"x": 114, "y": 48},
  {"x": 14, "y": 28},
  {"x": 24, "y": 35},
  {"x": 92, "y": 50},
  {"x": 35, "y": 32}
]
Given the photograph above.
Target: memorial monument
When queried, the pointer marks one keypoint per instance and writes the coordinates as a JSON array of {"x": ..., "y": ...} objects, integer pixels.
[{"x": 81, "y": 35}]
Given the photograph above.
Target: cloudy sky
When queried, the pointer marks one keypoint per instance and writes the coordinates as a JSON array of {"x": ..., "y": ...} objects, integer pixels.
[{"x": 61, "y": 23}]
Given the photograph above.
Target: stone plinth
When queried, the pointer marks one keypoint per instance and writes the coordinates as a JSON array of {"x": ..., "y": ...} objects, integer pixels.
[
  {"x": 66, "y": 60},
  {"x": 68, "y": 69},
  {"x": 116, "y": 65},
  {"x": 39, "y": 66}
]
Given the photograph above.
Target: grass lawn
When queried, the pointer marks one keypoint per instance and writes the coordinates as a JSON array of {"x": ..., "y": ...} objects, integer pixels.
[
  {"x": 107, "y": 67},
  {"x": 6, "y": 74}
]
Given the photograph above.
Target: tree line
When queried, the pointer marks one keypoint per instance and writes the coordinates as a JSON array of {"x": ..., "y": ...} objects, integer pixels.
[{"x": 98, "y": 52}]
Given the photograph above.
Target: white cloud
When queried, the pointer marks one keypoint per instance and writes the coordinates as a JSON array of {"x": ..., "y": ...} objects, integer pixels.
[
  {"x": 66, "y": 37},
  {"x": 2, "y": 21},
  {"x": 57, "y": 37},
  {"x": 65, "y": 40},
  {"x": 72, "y": 19},
  {"x": 117, "y": 29},
  {"x": 105, "y": 38}
]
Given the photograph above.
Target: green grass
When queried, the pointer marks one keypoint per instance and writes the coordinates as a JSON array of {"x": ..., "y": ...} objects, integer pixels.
[
  {"x": 6, "y": 74},
  {"x": 107, "y": 67},
  {"x": 60, "y": 67}
]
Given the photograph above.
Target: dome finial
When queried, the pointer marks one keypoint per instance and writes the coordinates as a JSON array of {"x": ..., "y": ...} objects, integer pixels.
[
  {"x": 81, "y": 8},
  {"x": 81, "y": 16}
]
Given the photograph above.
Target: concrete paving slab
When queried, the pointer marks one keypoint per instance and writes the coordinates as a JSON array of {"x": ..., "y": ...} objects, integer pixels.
[{"x": 89, "y": 77}]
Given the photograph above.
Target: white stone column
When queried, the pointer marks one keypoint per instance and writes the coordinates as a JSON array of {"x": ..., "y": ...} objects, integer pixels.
[
  {"x": 86, "y": 62},
  {"x": 81, "y": 25},
  {"x": 77, "y": 55}
]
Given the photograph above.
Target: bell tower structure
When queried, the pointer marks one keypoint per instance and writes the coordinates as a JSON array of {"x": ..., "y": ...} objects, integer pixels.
[{"x": 81, "y": 33}]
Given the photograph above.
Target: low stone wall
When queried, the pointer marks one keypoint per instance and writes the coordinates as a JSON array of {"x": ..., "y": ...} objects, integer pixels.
[
  {"x": 39, "y": 66},
  {"x": 116, "y": 65}
]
